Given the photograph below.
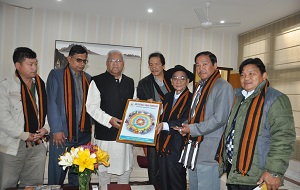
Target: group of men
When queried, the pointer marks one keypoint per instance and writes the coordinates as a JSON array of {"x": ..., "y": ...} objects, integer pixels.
[{"x": 250, "y": 136}]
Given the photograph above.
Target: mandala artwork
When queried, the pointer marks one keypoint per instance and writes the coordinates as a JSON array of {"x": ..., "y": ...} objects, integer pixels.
[{"x": 140, "y": 122}]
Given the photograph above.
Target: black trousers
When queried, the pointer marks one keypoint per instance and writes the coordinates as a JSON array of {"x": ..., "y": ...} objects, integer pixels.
[
  {"x": 172, "y": 174},
  {"x": 240, "y": 187},
  {"x": 153, "y": 167}
]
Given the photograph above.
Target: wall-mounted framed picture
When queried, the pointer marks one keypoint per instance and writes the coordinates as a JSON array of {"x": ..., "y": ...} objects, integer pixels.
[
  {"x": 139, "y": 121},
  {"x": 97, "y": 55}
]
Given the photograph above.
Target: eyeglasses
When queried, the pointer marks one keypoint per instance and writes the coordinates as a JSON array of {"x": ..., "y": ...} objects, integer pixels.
[
  {"x": 115, "y": 61},
  {"x": 177, "y": 78},
  {"x": 85, "y": 61}
]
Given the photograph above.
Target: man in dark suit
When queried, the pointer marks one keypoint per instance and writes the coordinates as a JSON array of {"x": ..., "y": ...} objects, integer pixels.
[
  {"x": 176, "y": 107},
  {"x": 69, "y": 122},
  {"x": 153, "y": 87}
]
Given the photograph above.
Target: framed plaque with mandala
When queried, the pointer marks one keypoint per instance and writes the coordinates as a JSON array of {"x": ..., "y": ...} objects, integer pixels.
[{"x": 139, "y": 122}]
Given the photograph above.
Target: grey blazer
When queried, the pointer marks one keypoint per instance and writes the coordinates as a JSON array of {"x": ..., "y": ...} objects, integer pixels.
[{"x": 217, "y": 110}]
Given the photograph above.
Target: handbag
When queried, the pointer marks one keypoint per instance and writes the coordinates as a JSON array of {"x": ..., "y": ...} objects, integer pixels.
[{"x": 142, "y": 161}]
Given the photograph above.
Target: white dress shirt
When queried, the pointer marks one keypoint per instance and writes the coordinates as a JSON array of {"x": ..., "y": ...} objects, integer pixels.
[{"x": 120, "y": 154}]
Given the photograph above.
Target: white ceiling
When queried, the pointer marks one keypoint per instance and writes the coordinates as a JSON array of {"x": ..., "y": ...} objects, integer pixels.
[{"x": 251, "y": 13}]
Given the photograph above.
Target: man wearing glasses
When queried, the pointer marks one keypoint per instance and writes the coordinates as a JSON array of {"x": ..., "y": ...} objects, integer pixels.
[
  {"x": 106, "y": 101},
  {"x": 176, "y": 107},
  {"x": 69, "y": 122}
]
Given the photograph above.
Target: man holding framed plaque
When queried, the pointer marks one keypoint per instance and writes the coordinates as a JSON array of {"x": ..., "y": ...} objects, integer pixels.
[{"x": 106, "y": 101}]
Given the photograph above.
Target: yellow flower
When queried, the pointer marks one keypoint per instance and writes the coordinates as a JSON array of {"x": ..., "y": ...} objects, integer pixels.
[
  {"x": 102, "y": 157},
  {"x": 85, "y": 160}
]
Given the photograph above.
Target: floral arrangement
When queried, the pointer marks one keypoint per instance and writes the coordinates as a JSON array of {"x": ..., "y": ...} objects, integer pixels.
[{"x": 84, "y": 160}]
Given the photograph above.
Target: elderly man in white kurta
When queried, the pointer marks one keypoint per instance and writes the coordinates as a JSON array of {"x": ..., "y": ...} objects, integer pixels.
[{"x": 106, "y": 101}]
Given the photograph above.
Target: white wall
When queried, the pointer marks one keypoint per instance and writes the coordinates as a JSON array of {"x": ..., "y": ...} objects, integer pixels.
[{"x": 38, "y": 29}]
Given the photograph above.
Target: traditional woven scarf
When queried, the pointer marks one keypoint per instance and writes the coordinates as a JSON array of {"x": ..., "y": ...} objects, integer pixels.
[
  {"x": 69, "y": 97},
  {"x": 177, "y": 108},
  {"x": 173, "y": 114},
  {"x": 200, "y": 108},
  {"x": 167, "y": 84},
  {"x": 250, "y": 132},
  {"x": 34, "y": 117},
  {"x": 190, "y": 151}
]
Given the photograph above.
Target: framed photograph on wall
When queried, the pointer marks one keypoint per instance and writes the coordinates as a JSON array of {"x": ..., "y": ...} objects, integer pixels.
[
  {"x": 139, "y": 122},
  {"x": 97, "y": 55}
]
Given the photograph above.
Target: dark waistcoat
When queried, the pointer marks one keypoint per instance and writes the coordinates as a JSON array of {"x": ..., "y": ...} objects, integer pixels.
[{"x": 113, "y": 101}]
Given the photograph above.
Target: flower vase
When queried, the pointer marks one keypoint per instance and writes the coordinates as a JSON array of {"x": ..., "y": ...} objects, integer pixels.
[{"x": 84, "y": 181}]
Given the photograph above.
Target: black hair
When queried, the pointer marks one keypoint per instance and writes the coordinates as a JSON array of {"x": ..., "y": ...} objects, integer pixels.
[
  {"x": 21, "y": 53},
  {"x": 211, "y": 56},
  {"x": 157, "y": 54},
  {"x": 254, "y": 61},
  {"x": 77, "y": 49}
]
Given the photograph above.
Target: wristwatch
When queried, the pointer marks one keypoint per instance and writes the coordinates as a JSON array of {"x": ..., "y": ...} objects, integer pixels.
[{"x": 273, "y": 174}]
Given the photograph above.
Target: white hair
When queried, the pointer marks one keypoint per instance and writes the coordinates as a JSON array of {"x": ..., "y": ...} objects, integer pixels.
[{"x": 114, "y": 51}]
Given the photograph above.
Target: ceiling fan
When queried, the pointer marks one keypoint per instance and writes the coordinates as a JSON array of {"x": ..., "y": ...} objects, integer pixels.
[
  {"x": 205, "y": 21},
  {"x": 15, "y": 4}
]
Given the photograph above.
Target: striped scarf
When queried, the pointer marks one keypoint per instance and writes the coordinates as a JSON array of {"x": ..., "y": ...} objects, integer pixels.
[
  {"x": 200, "y": 108},
  {"x": 69, "y": 97},
  {"x": 178, "y": 107},
  {"x": 171, "y": 113},
  {"x": 189, "y": 153},
  {"x": 34, "y": 117},
  {"x": 250, "y": 132}
]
